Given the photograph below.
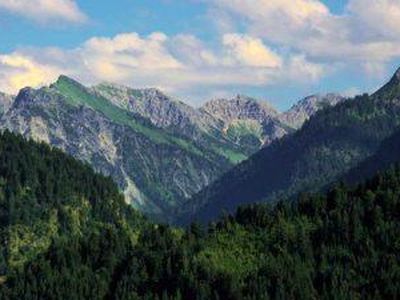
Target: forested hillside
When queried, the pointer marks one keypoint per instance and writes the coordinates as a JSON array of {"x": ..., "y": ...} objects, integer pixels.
[
  {"x": 67, "y": 234},
  {"x": 329, "y": 145},
  {"x": 155, "y": 168},
  {"x": 57, "y": 213},
  {"x": 387, "y": 154},
  {"x": 159, "y": 150}
]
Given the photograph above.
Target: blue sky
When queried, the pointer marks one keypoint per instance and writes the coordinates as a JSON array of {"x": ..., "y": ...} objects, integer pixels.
[{"x": 278, "y": 50}]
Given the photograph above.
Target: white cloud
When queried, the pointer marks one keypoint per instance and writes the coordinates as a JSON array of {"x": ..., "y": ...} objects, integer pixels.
[
  {"x": 367, "y": 33},
  {"x": 249, "y": 51},
  {"x": 181, "y": 64},
  {"x": 276, "y": 19},
  {"x": 299, "y": 68},
  {"x": 376, "y": 19},
  {"x": 45, "y": 10},
  {"x": 191, "y": 51},
  {"x": 119, "y": 57},
  {"x": 17, "y": 71}
]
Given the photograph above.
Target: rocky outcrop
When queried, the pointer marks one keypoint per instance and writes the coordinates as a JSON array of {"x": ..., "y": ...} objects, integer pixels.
[
  {"x": 5, "y": 102},
  {"x": 152, "y": 104},
  {"x": 240, "y": 107},
  {"x": 155, "y": 169},
  {"x": 246, "y": 121},
  {"x": 159, "y": 150},
  {"x": 305, "y": 108},
  {"x": 242, "y": 123}
]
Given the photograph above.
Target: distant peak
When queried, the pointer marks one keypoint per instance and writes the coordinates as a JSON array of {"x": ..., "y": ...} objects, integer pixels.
[
  {"x": 65, "y": 79},
  {"x": 112, "y": 85},
  {"x": 244, "y": 97},
  {"x": 238, "y": 99},
  {"x": 123, "y": 87},
  {"x": 328, "y": 97}
]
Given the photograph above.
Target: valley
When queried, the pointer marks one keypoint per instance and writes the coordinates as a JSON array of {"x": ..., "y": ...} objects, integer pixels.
[{"x": 158, "y": 150}]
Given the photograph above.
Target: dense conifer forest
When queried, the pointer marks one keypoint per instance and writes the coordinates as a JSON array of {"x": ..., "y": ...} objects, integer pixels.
[{"x": 67, "y": 234}]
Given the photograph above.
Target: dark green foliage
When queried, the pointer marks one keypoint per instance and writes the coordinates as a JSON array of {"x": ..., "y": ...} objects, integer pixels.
[
  {"x": 63, "y": 227},
  {"x": 387, "y": 155},
  {"x": 66, "y": 234},
  {"x": 331, "y": 143}
]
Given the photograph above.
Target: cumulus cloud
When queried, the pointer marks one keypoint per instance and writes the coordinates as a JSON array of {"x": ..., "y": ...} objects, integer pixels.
[
  {"x": 45, "y": 10},
  {"x": 367, "y": 33},
  {"x": 191, "y": 50},
  {"x": 250, "y": 51},
  {"x": 379, "y": 19},
  {"x": 299, "y": 68},
  {"x": 178, "y": 63},
  {"x": 117, "y": 58},
  {"x": 17, "y": 70}
]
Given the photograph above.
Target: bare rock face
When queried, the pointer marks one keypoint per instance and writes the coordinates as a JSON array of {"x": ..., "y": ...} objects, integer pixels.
[
  {"x": 254, "y": 124},
  {"x": 151, "y": 103},
  {"x": 304, "y": 109},
  {"x": 241, "y": 107},
  {"x": 154, "y": 168},
  {"x": 5, "y": 102},
  {"x": 159, "y": 150},
  {"x": 246, "y": 121},
  {"x": 241, "y": 123},
  {"x": 207, "y": 125}
]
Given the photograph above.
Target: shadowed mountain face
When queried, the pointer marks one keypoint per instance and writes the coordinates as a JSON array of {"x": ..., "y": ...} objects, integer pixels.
[
  {"x": 331, "y": 143},
  {"x": 66, "y": 233},
  {"x": 159, "y": 151},
  {"x": 387, "y": 155},
  {"x": 155, "y": 168}
]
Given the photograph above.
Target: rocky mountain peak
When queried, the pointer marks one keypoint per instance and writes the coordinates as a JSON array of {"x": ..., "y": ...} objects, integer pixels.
[
  {"x": 150, "y": 103},
  {"x": 25, "y": 96},
  {"x": 65, "y": 79},
  {"x": 122, "y": 95},
  {"x": 65, "y": 83},
  {"x": 302, "y": 110},
  {"x": 312, "y": 103},
  {"x": 240, "y": 107},
  {"x": 105, "y": 125}
]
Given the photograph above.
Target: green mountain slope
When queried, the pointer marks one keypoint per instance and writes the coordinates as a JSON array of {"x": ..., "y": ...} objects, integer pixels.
[
  {"x": 158, "y": 150},
  {"x": 387, "y": 154},
  {"x": 66, "y": 233},
  {"x": 51, "y": 201},
  {"x": 78, "y": 95},
  {"x": 156, "y": 168},
  {"x": 332, "y": 142}
]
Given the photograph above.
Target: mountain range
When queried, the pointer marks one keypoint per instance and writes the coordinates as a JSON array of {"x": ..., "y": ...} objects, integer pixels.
[
  {"x": 66, "y": 233},
  {"x": 313, "y": 214},
  {"x": 160, "y": 151},
  {"x": 332, "y": 142}
]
